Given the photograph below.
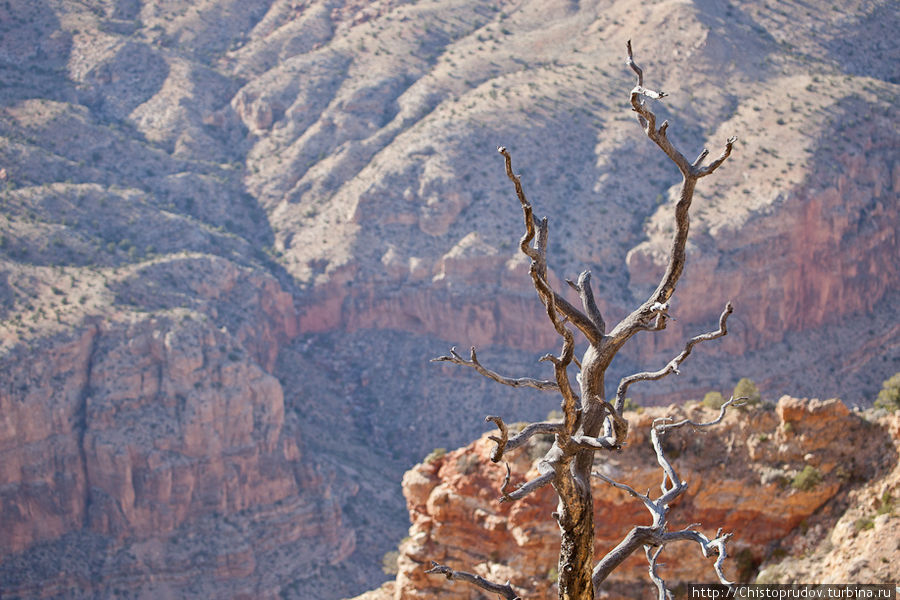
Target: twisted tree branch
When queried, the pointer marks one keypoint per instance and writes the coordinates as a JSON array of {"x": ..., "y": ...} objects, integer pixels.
[
  {"x": 672, "y": 366},
  {"x": 730, "y": 402},
  {"x": 538, "y": 256},
  {"x": 707, "y": 546},
  {"x": 656, "y": 534},
  {"x": 505, "y": 444},
  {"x": 652, "y": 554},
  {"x": 645, "y": 498},
  {"x": 554, "y": 303},
  {"x": 640, "y": 318},
  {"x": 455, "y": 358},
  {"x": 504, "y": 590},
  {"x": 527, "y": 487},
  {"x": 583, "y": 287}
]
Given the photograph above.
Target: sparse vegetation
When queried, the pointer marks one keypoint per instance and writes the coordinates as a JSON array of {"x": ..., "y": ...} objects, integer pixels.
[
  {"x": 807, "y": 479},
  {"x": 889, "y": 396},
  {"x": 885, "y": 504},
  {"x": 631, "y": 405},
  {"x": 435, "y": 454},
  {"x": 713, "y": 400},
  {"x": 745, "y": 388}
]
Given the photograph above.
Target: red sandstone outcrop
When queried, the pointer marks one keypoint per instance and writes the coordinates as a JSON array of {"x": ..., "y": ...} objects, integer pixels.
[{"x": 744, "y": 476}]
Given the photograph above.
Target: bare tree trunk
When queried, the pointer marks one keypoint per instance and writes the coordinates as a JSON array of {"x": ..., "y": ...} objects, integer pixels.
[{"x": 576, "y": 551}]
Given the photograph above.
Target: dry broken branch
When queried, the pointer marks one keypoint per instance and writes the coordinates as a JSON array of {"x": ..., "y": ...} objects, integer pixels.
[
  {"x": 559, "y": 311},
  {"x": 583, "y": 287},
  {"x": 526, "y": 488},
  {"x": 455, "y": 358},
  {"x": 538, "y": 256},
  {"x": 653, "y": 554},
  {"x": 505, "y": 444},
  {"x": 656, "y": 535},
  {"x": 709, "y": 547},
  {"x": 730, "y": 402},
  {"x": 672, "y": 366},
  {"x": 639, "y": 320},
  {"x": 645, "y": 498},
  {"x": 504, "y": 590}
]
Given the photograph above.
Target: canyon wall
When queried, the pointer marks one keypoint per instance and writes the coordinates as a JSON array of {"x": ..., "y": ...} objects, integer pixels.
[
  {"x": 232, "y": 234},
  {"x": 161, "y": 441}
]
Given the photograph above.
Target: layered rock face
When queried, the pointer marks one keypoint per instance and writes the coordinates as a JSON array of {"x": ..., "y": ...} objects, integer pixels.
[
  {"x": 161, "y": 442},
  {"x": 745, "y": 475}
]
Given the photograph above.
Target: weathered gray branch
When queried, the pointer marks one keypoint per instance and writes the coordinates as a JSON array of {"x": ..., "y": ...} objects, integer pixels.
[
  {"x": 538, "y": 255},
  {"x": 656, "y": 534},
  {"x": 505, "y": 444},
  {"x": 455, "y": 358},
  {"x": 504, "y": 590},
  {"x": 588, "y": 442},
  {"x": 730, "y": 402},
  {"x": 559, "y": 311},
  {"x": 636, "y": 538},
  {"x": 652, "y": 554},
  {"x": 586, "y": 293},
  {"x": 645, "y": 498},
  {"x": 640, "y": 318},
  {"x": 672, "y": 366},
  {"x": 561, "y": 363},
  {"x": 527, "y": 487},
  {"x": 707, "y": 546}
]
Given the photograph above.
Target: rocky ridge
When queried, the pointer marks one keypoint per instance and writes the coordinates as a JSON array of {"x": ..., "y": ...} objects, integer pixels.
[{"x": 748, "y": 475}]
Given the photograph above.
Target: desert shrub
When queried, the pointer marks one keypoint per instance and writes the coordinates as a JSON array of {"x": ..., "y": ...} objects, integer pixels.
[
  {"x": 435, "y": 454},
  {"x": 889, "y": 396},
  {"x": 806, "y": 479},
  {"x": 745, "y": 388},
  {"x": 713, "y": 400}
]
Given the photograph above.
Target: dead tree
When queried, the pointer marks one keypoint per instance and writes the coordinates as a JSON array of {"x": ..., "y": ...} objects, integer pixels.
[{"x": 590, "y": 423}]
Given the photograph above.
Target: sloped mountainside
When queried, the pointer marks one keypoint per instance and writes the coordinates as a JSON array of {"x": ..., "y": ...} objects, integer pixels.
[
  {"x": 232, "y": 232},
  {"x": 785, "y": 479}
]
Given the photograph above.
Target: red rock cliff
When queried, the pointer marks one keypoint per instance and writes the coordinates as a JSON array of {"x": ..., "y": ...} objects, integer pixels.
[
  {"x": 741, "y": 477},
  {"x": 162, "y": 438}
]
